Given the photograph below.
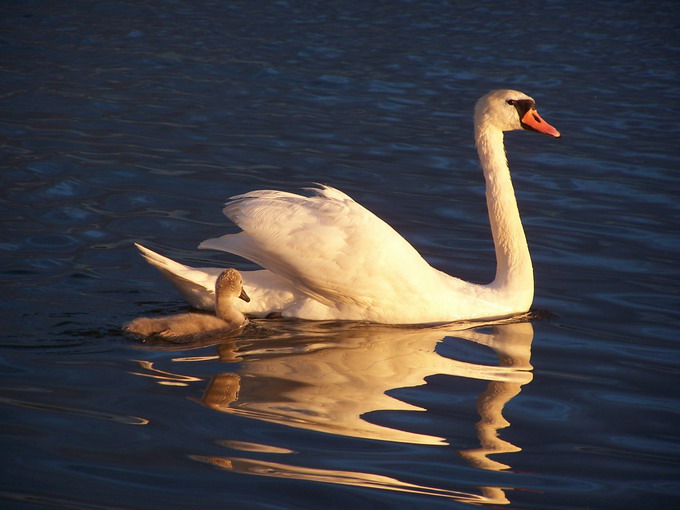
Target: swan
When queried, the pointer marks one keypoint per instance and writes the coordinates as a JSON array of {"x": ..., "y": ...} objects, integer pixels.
[
  {"x": 325, "y": 257},
  {"x": 186, "y": 327}
]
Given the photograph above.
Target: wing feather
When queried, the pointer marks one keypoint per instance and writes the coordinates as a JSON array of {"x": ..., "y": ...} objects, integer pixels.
[{"x": 330, "y": 247}]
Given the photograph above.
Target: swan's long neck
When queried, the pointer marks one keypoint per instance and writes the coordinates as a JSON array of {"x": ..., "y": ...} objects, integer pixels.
[{"x": 514, "y": 273}]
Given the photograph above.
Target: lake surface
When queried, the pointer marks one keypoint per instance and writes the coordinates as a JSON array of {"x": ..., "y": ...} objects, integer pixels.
[{"x": 134, "y": 121}]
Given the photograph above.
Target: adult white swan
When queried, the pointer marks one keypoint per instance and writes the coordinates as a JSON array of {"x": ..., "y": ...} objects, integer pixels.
[{"x": 327, "y": 257}]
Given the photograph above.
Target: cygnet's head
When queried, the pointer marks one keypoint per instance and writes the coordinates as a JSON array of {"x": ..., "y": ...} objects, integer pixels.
[
  {"x": 507, "y": 110},
  {"x": 230, "y": 284}
]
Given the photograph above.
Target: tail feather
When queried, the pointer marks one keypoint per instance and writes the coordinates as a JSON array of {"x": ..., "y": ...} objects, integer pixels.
[{"x": 196, "y": 285}]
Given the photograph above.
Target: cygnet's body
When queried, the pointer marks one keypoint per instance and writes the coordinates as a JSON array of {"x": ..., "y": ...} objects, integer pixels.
[{"x": 187, "y": 327}]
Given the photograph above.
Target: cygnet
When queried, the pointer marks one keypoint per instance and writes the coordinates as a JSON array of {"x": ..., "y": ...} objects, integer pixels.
[{"x": 188, "y": 327}]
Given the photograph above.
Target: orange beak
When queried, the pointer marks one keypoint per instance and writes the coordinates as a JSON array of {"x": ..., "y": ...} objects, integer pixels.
[{"x": 532, "y": 120}]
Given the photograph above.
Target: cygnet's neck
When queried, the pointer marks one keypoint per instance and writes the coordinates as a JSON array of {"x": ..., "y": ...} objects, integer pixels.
[
  {"x": 514, "y": 272},
  {"x": 225, "y": 309}
]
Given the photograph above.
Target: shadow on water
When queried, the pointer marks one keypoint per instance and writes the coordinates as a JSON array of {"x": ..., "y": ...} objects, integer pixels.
[{"x": 336, "y": 378}]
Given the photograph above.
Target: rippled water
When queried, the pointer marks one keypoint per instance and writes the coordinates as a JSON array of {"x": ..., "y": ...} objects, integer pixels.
[{"x": 128, "y": 121}]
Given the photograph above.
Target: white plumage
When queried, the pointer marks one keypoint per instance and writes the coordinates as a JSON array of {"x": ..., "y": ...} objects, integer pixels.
[{"x": 327, "y": 257}]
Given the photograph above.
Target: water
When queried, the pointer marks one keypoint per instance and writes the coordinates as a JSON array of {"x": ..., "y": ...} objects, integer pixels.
[{"x": 134, "y": 121}]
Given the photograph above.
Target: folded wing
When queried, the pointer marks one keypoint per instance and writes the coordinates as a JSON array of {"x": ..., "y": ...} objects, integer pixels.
[{"x": 328, "y": 246}]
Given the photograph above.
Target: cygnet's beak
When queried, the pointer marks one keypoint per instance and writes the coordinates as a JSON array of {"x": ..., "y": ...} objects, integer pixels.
[{"x": 244, "y": 296}]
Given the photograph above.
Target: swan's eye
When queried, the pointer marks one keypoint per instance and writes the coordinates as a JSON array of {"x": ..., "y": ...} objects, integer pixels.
[{"x": 511, "y": 102}]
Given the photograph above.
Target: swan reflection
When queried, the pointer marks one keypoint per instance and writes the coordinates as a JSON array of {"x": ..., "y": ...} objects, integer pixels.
[
  {"x": 335, "y": 379},
  {"x": 331, "y": 385}
]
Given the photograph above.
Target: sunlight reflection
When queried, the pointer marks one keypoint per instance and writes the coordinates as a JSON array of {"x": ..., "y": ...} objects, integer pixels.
[
  {"x": 357, "y": 479},
  {"x": 334, "y": 378},
  {"x": 163, "y": 377},
  {"x": 332, "y": 387},
  {"x": 246, "y": 446}
]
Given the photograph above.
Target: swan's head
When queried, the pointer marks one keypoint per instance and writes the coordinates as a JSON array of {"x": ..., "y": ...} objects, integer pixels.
[
  {"x": 507, "y": 110},
  {"x": 230, "y": 284}
]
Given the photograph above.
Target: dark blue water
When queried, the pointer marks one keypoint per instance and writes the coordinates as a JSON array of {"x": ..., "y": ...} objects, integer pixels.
[{"x": 133, "y": 121}]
